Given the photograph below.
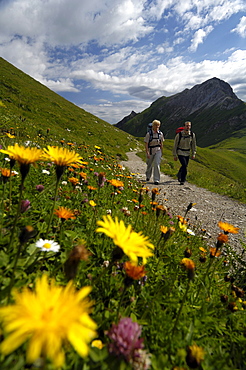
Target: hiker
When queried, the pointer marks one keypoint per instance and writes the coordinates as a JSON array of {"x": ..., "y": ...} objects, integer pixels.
[
  {"x": 153, "y": 146},
  {"x": 184, "y": 146}
]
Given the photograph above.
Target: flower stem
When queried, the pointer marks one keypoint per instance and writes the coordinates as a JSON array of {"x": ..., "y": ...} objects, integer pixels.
[
  {"x": 120, "y": 303},
  {"x": 17, "y": 213},
  {"x": 181, "y": 307},
  {"x": 53, "y": 207},
  {"x": 2, "y": 206},
  {"x": 205, "y": 275},
  {"x": 13, "y": 272}
]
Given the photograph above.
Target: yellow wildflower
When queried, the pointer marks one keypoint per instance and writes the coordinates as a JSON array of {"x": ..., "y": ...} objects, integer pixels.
[
  {"x": 48, "y": 317},
  {"x": 133, "y": 244},
  {"x": 228, "y": 228}
]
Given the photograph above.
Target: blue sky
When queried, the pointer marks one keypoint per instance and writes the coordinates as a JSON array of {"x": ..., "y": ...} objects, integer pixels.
[{"x": 110, "y": 57}]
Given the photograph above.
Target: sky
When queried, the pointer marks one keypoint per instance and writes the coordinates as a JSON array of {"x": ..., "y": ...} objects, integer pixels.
[{"x": 111, "y": 57}]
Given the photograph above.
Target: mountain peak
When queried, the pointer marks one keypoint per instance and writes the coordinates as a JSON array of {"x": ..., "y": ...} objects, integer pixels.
[
  {"x": 213, "y": 92},
  {"x": 210, "y": 106}
]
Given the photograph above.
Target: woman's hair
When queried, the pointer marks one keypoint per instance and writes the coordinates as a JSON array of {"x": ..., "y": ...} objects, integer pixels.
[{"x": 156, "y": 123}]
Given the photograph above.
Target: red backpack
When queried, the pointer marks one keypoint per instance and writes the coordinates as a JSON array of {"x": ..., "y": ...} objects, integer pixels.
[{"x": 179, "y": 129}]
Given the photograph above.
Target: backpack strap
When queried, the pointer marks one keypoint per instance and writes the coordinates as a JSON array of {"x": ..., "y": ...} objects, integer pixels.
[{"x": 151, "y": 138}]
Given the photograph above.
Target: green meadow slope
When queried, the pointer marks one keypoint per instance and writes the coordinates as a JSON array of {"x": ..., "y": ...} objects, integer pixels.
[
  {"x": 220, "y": 170},
  {"x": 29, "y": 108}
]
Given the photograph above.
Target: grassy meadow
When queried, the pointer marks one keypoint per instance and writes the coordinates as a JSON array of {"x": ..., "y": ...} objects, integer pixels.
[{"x": 95, "y": 274}]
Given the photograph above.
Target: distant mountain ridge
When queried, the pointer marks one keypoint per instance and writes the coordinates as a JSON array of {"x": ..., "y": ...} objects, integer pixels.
[
  {"x": 213, "y": 108},
  {"x": 121, "y": 123}
]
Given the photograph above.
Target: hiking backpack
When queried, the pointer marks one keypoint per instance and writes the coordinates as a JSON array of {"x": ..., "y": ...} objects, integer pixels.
[
  {"x": 150, "y": 131},
  {"x": 179, "y": 130},
  {"x": 149, "y": 127}
]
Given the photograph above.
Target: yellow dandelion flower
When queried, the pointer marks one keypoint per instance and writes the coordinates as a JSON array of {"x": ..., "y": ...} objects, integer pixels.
[
  {"x": 97, "y": 343},
  {"x": 228, "y": 228},
  {"x": 5, "y": 172},
  {"x": 214, "y": 252},
  {"x": 164, "y": 229},
  {"x": 155, "y": 191},
  {"x": 183, "y": 227},
  {"x": 23, "y": 155},
  {"x": 116, "y": 183},
  {"x": 62, "y": 156},
  {"x": 47, "y": 318},
  {"x": 10, "y": 136},
  {"x": 133, "y": 244},
  {"x": 64, "y": 213},
  {"x": 203, "y": 249},
  {"x": 188, "y": 264},
  {"x": 89, "y": 187},
  {"x": 133, "y": 271},
  {"x": 181, "y": 219},
  {"x": 92, "y": 203},
  {"x": 73, "y": 180},
  {"x": 195, "y": 355},
  {"x": 221, "y": 239},
  {"x": 83, "y": 175}
]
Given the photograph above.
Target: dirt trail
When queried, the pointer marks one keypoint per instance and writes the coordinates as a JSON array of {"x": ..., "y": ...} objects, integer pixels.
[{"x": 208, "y": 210}]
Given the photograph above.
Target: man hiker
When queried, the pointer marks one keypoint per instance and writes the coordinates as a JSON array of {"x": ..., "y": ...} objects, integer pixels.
[{"x": 184, "y": 147}]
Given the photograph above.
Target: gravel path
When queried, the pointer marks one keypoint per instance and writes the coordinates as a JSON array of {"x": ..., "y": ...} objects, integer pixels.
[{"x": 208, "y": 210}]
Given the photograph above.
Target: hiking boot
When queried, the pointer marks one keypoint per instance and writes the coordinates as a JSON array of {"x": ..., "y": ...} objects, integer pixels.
[
  {"x": 181, "y": 183},
  {"x": 178, "y": 176},
  {"x": 156, "y": 182},
  {"x": 147, "y": 179}
]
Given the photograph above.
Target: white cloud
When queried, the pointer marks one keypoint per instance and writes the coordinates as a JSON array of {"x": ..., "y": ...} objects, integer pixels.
[
  {"x": 241, "y": 27},
  {"x": 29, "y": 56},
  {"x": 168, "y": 79},
  {"x": 114, "y": 112},
  {"x": 63, "y": 84},
  {"x": 63, "y": 22},
  {"x": 198, "y": 38}
]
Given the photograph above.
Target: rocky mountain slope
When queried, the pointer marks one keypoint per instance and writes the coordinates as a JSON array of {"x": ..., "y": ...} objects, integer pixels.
[{"x": 212, "y": 107}]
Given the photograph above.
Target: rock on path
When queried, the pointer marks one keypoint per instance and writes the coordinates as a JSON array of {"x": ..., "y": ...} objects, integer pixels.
[{"x": 208, "y": 210}]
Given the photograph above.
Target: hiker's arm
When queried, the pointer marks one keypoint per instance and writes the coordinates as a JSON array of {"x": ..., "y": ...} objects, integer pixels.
[
  {"x": 147, "y": 149},
  {"x": 175, "y": 156},
  {"x": 161, "y": 144},
  {"x": 193, "y": 146}
]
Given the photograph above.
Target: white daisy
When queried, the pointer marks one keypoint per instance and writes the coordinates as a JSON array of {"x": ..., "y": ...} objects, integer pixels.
[
  {"x": 46, "y": 172},
  {"x": 189, "y": 231},
  {"x": 47, "y": 245}
]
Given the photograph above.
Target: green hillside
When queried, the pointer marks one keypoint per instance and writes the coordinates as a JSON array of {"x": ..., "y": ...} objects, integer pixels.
[{"x": 28, "y": 107}]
